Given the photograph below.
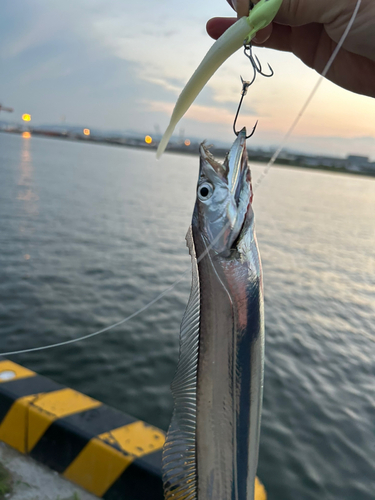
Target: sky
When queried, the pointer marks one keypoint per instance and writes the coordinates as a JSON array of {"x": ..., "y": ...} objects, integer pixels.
[{"x": 121, "y": 64}]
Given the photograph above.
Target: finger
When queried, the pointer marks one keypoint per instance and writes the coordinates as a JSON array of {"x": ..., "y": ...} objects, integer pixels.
[
  {"x": 314, "y": 47},
  {"x": 263, "y": 35},
  {"x": 299, "y": 12},
  {"x": 279, "y": 39},
  {"x": 215, "y": 27},
  {"x": 232, "y": 4},
  {"x": 302, "y": 41},
  {"x": 309, "y": 43},
  {"x": 242, "y": 8}
]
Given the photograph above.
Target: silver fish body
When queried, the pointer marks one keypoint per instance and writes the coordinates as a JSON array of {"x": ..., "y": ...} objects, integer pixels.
[{"x": 211, "y": 450}]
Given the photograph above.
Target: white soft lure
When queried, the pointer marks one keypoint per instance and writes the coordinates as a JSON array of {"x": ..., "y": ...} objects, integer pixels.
[{"x": 232, "y": 39}]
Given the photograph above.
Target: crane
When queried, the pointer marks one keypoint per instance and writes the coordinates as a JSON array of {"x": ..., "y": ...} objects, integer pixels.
[{"x": 3, "y": 108}]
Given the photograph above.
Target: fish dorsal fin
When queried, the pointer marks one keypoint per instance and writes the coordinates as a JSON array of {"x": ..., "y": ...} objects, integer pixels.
[{"x": 179, "y": 453}]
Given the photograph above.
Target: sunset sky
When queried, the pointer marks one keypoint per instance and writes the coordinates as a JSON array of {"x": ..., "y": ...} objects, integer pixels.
[{"x": 120, "y": 65}]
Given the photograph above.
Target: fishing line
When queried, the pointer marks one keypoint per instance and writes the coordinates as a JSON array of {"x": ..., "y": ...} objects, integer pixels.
[
  {"x": 309, "y": 98},
  {"x": 256, "y": 185},
  {"x": 128, "y": 318},
  {"x": 84, "y": 337}
]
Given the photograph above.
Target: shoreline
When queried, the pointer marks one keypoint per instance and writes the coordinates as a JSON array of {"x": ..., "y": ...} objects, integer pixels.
[{"x": 193, "y": 149}]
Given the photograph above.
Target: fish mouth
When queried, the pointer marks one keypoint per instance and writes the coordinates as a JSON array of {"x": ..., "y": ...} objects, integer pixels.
[
  {"x": 239, "y": 184},
  {"x": 226, "y": 222},
  {"x": 236, "y": 167}
]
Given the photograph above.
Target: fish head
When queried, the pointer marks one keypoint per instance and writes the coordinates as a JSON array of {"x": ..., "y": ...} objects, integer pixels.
[{"x": 224, "y": 196}]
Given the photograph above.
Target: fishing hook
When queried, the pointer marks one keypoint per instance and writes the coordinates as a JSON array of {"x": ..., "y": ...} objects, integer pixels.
[
  {"x": 255, "y": 63},
  {"x": 257, "y": 68},
  {"x": 245, "y": 86}
]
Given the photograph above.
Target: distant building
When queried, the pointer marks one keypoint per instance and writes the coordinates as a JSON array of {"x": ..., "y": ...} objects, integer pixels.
[
  {"x": 324, "y": 161},
  {"x": 309, "y": 161},
  {"x": 330, "y": 161},
  {"x": 357, "y": 163},
  {"x": 286, "y": 155}
]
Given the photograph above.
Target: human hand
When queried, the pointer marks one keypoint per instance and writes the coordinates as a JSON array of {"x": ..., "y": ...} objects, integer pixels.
[{"x": 311, "y": 31}]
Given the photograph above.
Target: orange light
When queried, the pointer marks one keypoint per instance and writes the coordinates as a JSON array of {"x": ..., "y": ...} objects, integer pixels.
[
  {"x": 187, "y": 142},
  {"x": 148, "y": 139},
  {"x": 86, "y": 131},
  {"x": 26, "y": 135},
  {"x": 26, "y": 117}
]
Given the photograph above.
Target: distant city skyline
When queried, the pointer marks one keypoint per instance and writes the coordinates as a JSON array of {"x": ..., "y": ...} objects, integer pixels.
[{"x": 113, "y": 66}]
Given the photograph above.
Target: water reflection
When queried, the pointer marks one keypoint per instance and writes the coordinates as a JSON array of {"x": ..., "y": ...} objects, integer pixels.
[{"x": 26, "y": 182}]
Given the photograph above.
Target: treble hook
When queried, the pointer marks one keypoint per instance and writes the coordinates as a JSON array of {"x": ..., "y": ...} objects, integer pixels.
[
  {"x": 245, "y": 86},
  {"x": 255, "y": 63},
  {"x": 257, "y": 68}
]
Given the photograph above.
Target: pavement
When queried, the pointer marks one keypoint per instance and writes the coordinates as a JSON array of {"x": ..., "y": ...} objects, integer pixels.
[{"x": 33, "y": 481}]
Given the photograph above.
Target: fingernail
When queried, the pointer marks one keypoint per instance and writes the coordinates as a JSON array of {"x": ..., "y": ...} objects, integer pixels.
[
  {"x": 233, "y": 4},
  {"x": 242, "y": 7}
]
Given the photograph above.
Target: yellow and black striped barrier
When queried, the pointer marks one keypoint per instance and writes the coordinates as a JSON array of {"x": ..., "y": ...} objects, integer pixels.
[{"x": 99, "y": 448}]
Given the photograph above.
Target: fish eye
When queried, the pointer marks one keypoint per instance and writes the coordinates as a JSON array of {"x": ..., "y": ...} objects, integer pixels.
[{"x": 205, "y": 191}]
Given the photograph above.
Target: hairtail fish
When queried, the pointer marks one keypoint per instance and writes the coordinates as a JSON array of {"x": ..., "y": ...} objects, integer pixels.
[{"x": 211, "y": 450}]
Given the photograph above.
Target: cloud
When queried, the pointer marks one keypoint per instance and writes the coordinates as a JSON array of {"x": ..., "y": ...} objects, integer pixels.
[
  {"x": 22, "y": 36},
  {"x": 161, "y": 82},
  {"x": 116, "y": 65},
  {"x": 198, "y": 113}
]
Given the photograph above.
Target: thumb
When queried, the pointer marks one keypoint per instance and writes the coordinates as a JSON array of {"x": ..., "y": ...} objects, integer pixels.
[{"x": 242, "y": 7}]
